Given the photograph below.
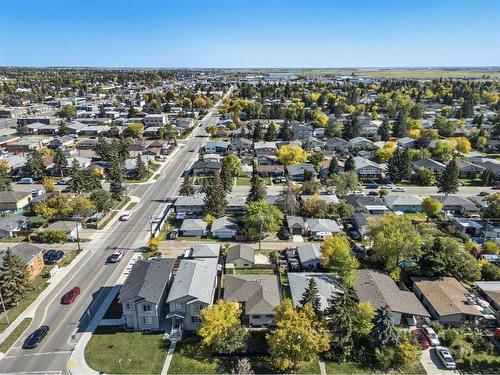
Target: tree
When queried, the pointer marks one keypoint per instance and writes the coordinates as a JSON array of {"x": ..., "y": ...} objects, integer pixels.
[
  {"x": 35, "y": 165},
  {"x": 287, "y": 200},
  {"x": 5, "y": 181},
  {"x": 291, "y": 154},
  {"x": 316, "y": 158},
  {"x": 215, "y": 198},
  {"x": 310, "y": 187},
  {"x": 384, "y": 332},
  {"x": 82, "y": 207},
  {"x": 60, "y": 161},
  {"x": 14, "y": 278},
  {"x": 135, "y": 130},
  {"x": 492, "y": 210},
  {"x": 271, "y": 132},
  {"x": 103, "y": 148},
  {"x": 261, "y": 214},
  {"x": 350, "y": 164},
  {"x": 487, "y": 177},
  {"x": 344, "y": 183},
  {"x": 285, "y": 133},
  {"x": 78, "y": 182},
  {"x": 431, "y": 207},
  {"x": 463, "y": 145},
  {"x": 56, "y": 206},
  {"x": 67, "y": 111},
  {"x": 448, "y": 183},
  {"x": 340, "y": 317},
  {"x": 384, "y": 131},
  {"x": 257, "y": 189},
  {"x": 444, "y": 127},
  {"x": 399, "y": 166},
  {"x": 63, "y": 128},
  {"x": 233, "y": 164},
  {"x": 102, "y": 200},
  {"x": 115, "y": 180},
  {"x": 220, "y": 328},
  {"x": 243, "y": 366},
  {"x": 299, "y": 336},
  {"x": 257, "y": 132},
  {"x": 311, "y": 296},
  {"x": 333, "y": 167},
  {"x": 337, "y": 257},
  {"x": 363, "y": 320},
  {"x": 394, "y": 238},
  {"x": 424, "y": 177},
  {"x": 443, "y": 150},
  {"x": 400, "y": 128},
  {"x": 187, "y": 186},
  {"x": 49, "y": 185},
  {"x": 141, "y": 169}
]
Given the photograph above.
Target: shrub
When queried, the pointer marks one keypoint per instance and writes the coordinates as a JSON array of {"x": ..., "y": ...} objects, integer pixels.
[{"x": 52, "y": 236}]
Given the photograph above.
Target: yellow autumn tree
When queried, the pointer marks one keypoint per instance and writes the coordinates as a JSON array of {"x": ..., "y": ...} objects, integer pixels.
[{"x": 291, "y": 154}]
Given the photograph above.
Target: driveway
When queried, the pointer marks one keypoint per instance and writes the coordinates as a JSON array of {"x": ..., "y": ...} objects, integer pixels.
[{"x": 432, "y": 365}]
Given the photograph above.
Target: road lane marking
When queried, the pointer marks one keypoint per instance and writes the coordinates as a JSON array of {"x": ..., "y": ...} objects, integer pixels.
[{"x": 38, "y": 354}]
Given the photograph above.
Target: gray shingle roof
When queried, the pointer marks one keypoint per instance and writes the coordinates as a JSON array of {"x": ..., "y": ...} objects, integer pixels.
[
  {"x": 323, "y": 225},
  {"x": 23, "y": 250},
  {"x": 308, "y": 252},
  {"x": 193, "y": 224},
  {"x": 240, "y": 251},
  {"x": 328, "y": 285},
  {"x": 205, "y": 250}
]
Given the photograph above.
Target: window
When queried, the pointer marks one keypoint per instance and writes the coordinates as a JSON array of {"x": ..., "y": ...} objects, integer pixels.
[
  {"x": 197, "y": 307},
  {"x": 147, "y": 320},
  {"x": 195, "y": 320},
  {"x": 130, "y": 306},
  {"x": 256, "y": 316},
  {"x": 146, "y": 308},
  {"x": 245, "y": 264},
  {"x": 180, "y": 305}
]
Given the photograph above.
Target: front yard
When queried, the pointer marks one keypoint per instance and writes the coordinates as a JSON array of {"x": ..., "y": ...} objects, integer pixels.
[{"x": 113, "y": 351}]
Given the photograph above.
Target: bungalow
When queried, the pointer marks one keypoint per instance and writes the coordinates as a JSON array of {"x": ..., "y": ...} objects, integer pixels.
[
  {"x": 321, "y": 227},
  {"x": 193, "y": 228},
  {"x": 216, "y": 147},
  {"x": 265, "y": 148},
  {"x": 235, "y": 204},
  {"x": 468, "y": 169},
  {"x": 296, "y": 225},
  {"x": 95, "y": 130},
  {"x": 446, "y": 299},
  {"x": 434, "y": 165},
  {"x": 30, "y": 255},
  {"x": 302, "y": 131},
  {"x": 406, "y": 142},
  {"x": 144, "y": 292},
  {"x": 192, "y": 290},
  {"x": 309, "y": 256},
  {"x": 270, "y": 170},
  {"x": 360, "y": 142},
  {"x": 380, "y": 290},
  {"x": 223, "y": 228},
  {"x": 12, "y": 224},
  {"x": 190, "y": 205},
  {"x": 404, "y": 203},
  {"x": 338, "y": 144},
  {"x": 14, "y": 200},
  {"x": 70, "y": 228},
  {"x": 360, "y": 222},
  {"x": 367, "y": 169},
  {"x": 266, "y": 159},
  {"x": 59, "y": 142},
  {"x": 258, "y": 296},
  {"x": 202, "y": 167},
  {"x": 184, "y": 123},
  {"x": 240, "y": 255},
  {"x": 205, "y": 250},
  {"x": 372, "y": 205},
  {"x": 130, "y": 167},
  {"x": 490, "y": 290},
  {"x": 312, "y": 143},
  {"x": 327, "y": 283},
  {"x": 467, "y": 226},
  {"x": 240, "y": 145},
  {"x": 457, "y": 205},
  {"x": 296, "y": 171}
]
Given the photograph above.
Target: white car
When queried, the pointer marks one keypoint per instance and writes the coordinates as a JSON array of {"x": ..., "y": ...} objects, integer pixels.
[
  {"x": 431, "y": 335},
  {"x": 445, "y": 357},
  {"x": 125, "y": 217},
  {"x": 116, "y": 257},
  {"x": 399, "y": 190}
]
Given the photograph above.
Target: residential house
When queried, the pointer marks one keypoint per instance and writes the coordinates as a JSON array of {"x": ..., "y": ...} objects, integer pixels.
[
  {"x": 317, "y": 227},
  {"x": 338, "y": 144},
  {"x": 434, "y": 165},
  {"x": 265, "y": 148},
  {"x": 205, "y": 250},
  {"x": 144, "y": 292},
  {"x": 216, "y": 147},
  {"x": 404, "y": 203},
  {"x": 155, "y": 119},
  {"x": 11, "y": 225},
  {"x": 193, "y": 228},
  {"x": 192, "y": 205},
  {"x": 380, "y": 290},
  {"x": 235, "y": 204},
  {"x": 202, "y": 167},
  {"x": 70, "y": 228},
  {"x": 240, "y": 255},
  {"x": 468, "y": 169},
  {"x": 257, "y": 295},
  {"x": 60, "y": 142},
  {"x": 328, "y": 198},
  {"x": 367, "y": 169},
  {"x": 240, "y": 145},
  {"x": 302, "y": 131},
  {"x": 296, "y": 172},
  {"x": 296, "y": 225},
  {"x": 490, "y": 290},
  {"x": 446, "y": 299},
  {"x": 223, "y": 228},
  {"x": 467, "y": 226},
  {"x": 360, "y": 222},
  {"x": 270, "y": 170},
  {"x": 360, "y": 142},
  {"x": 328, "y": 286},
  {"x": 14, "y": 200},
  {"x": 313, "y": 144},
  {"x": 364, "y": 203},
  {"x": 30, "y": 255},
  {"x": 192, "y": 290},
  {"x": 406, "y": 142},
  {"x": 457, "y": 205},
  {"x": 309, "y": 256}
]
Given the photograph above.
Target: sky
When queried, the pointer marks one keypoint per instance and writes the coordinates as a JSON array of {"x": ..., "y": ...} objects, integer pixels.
[{"x": 250, "y": 33}]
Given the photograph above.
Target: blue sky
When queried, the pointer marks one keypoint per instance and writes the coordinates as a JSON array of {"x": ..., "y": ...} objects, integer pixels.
[{"x": 250, "y": 33}]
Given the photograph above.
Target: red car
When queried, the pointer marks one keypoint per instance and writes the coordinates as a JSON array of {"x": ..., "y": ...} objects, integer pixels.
[
  {"x": 496, "y": 187},
  {"x": 420, "y": 336},
  {"x": 70, "y": 297}
]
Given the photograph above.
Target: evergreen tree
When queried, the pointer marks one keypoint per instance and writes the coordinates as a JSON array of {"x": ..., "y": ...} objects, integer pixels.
[
  {"x": 384, "y": 131},
  {"x": 257, "y": 132},
  {"x": 34, "y": 164},
  {"x": 187, "y": 187},
  {"x": 333, "y": 167},
  {"x": 487, "y": 177},
  {"x": 285, "y": 133},
  {"x": 257, "y": 189},
  {"x": 122, "y": 149},
  {"x": 350, "y": 164},
  {"x": 352, "y": 128},
  {"x": 5, "y": 181},
  {"x": 448, "y": 183},
  {"x": 311, "y": 295},
  {"x": 60, "y": 161},
  {"x": 270, "y": 135},
  {"x": 287, "y": 201},
  {"x": 14, "y": 278},
  {"x": 92, "y": 181},
  {"x": 384, "y": 332},
  {"x": 243, "y": 366},
  {"x": 63, "y": 128},
  {"x": 399, "y": 167},
  {"x": 115, "y": 180},
  {"x": 226, "y": 177},
  {"x": 215, "y": 198},
  {"x": 141, "y": 170},
  {"x": 340, "y": 319},
  {"x": 400, "y": 128},
  {"x": 103, "y": 148},
  {"x": 77, "y": 184}
]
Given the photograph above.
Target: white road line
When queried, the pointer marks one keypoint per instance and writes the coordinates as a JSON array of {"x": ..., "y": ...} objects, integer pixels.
[{"x": 38, "y": 354}]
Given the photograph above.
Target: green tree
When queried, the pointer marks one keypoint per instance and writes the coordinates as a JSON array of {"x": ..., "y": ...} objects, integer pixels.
[
  {"x": 384, "y": 131},
  {"x": 135, "y": 130},
  {"x": 215, "y": 198},
  {"x": 448, "y": 183},
  {"x": 102, "y": 200},
  {"x": 226, "y": 178},
  {"x": 424, "y": 177},
  {"x": 103, "y": 149},
  {"x": 261, "y": 214},
  {"x": 14, "y": 278},
  {"x": 78, "y": 181},
  {"x": 336, "y": 256},
  {"x": 35, "y": 165},
  {"x": 399, "y": 166},
  {"x": 384, "y": 332},
  {"x": 487, "y": 177},
  {"x": 257, "y": 189},
  {"x": 333, "y": 167},
  {"x": 5, "y": 181},
  {"x": 67, "y": 111},
  {"x": 60, "y": 161},
  {"x": 141, "y": 169},
  {"x": 343, "y": 184},
  {"x": 233, "y": 164},
  {"x": 432, "y": 207},
  {"x": 63, "y": 128},
  {"x": 299, "y": 336},
  {"x": 311, "y": 296},
  {"x": 350, "y": 164},
  {"x": 82, "y": 207},
  {"x": 287, "y": 201},
  {"x": 115, "y": 180},
  {"x": 492, "y": 209},
  {"x": 400, "y": 128},
  {"x": 271, "y": 132},
  {"x": 187, "y": 186},
  {"x": 285, "y": 133}
]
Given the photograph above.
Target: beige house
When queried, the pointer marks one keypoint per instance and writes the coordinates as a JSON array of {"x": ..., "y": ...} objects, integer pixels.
[
  {"x": 14, "y": 200},
  {"x": 240, "y": 256}
]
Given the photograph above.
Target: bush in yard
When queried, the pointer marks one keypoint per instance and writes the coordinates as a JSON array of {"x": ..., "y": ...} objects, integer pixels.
[
  {"x": 153, "y": 244},
  {"x": 52, "y": 236}
]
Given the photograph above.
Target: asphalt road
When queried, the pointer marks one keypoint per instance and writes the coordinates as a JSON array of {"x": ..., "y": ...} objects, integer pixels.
[{"x": 93, "y": 275}]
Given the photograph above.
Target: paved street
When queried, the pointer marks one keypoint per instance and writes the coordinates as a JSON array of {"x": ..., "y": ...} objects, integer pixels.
[{"x": 93, "y": 275}]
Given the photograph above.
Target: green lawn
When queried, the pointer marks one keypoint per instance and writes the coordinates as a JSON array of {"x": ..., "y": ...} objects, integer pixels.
[
  {"x": 154, "y": 166},
  {"x": 69, "y": 256},
  {"x": 13, "y": 239},
  {"x": 116, "y": 352},
  {"x": 191, "y": 358},
  {"x": 12, "y": 338},
  {"x": 480, "y": 363},
  {"x": 131, "y": 205},
  {"x": 243, "y": 181},
  {"x": 416, "y": 216},
  {"x": 470, "y": 181},
  {"x": 357, "y": 368},
  {"x": 253, "y": 271}
]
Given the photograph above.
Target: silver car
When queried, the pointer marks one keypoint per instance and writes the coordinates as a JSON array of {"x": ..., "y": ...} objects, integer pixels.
[
  {"x": 445, "y": 357},
  {"x": 431, "y": 335}
]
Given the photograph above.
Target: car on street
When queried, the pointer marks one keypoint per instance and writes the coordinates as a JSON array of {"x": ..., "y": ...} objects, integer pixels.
[
  {"x": 431, "y": 335},
  {"x": 497, "y": 187},
  {"x": 373, "y": 185},
  {"x": 373, "y": 193},
  {"x": 445, "y": 357},
  {"x": 116, "y": 256},
  {"x": 125, "y": 217},
  {"x": 70, "y": 297},
  {"x": 174, "y": 233},
  {"x": 421, "y": 338},
  {"x": 26, "y": 181},
  {"x": 483, "y": 194},
  {"x": 35, "y": 338},
  {"x": 284, "y": 234},
  {"x": 398, "y": 190},
  {"x": 52, "y": 256}
]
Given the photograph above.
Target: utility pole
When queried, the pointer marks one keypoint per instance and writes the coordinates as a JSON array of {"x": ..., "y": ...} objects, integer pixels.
[
  {"x": 78, "y": 235},
  {"x": 3, "y": 305},
  {"x": 260, "y": 234},
  {"x": 150, "y": 217}
]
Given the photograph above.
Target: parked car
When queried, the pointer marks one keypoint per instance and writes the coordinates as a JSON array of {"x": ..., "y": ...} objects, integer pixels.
[
  {"x": 293, "y": 265},
  {"x": 421, "y": 338},
  {"x": 354, "y": 235},
  {"x": 445, "y": 357},
  {"x": 284, "y": 234},
  {"x": 497, "y": 187},
  {"x": 70, "y": 297},
  {"x": 116, "y": 256},
  {"x": 174, "y": 233},
  {"x": 64, "y": 181},
  {"x": 26, "y": 181},
  {"x": 278, "y": 180},
  {"x": 431, "y": 335},
  {"x": 35, "y": 338},
  {"x": 373, "y": 193},
  {"x": 125, "y": 217},
  {"x": 483, "y": 194},
  {"x": 411, "y": 321},
  {"x": 373, "y": 185},
  {"x": 52, "y": 256},
  {"x": 320, "y": 236},
  {"x": 399, "y": 190}
]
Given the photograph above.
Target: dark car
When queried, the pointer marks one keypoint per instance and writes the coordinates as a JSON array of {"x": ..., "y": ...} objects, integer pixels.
[
  {"x": 70, "y": 297},
  {"x": 373, "y": 185},
  {"x": 374, "y": 193},
  {"x": 284, "y": 234},
  {"x": 421, "y": 338},
  {"x": 52, "y": 256},
  {"x": 36, "y": 337}
]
